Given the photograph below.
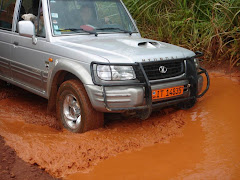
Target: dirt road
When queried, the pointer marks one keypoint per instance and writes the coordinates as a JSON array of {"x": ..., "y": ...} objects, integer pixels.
[{"x": 201, "y": 143}]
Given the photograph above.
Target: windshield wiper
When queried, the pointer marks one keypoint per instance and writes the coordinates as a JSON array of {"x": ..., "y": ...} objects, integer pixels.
[
  {"x": 77, "y": 30},
  {"x": 111, "y": 28}
]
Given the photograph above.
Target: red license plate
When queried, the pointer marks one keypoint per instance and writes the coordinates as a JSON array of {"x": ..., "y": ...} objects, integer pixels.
[{"x": 168, "y": 92}]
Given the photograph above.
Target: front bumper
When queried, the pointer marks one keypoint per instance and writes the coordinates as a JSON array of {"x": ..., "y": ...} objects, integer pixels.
[{"x": 121, "y": 97}]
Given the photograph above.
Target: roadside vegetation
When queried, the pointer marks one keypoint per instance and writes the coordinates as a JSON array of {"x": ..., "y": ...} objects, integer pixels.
[{"x": 210, "y": 26}]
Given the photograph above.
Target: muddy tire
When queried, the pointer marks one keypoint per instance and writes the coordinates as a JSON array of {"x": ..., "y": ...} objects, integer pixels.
[
  {"x": 187, "y": 105},
  {"x": 74, "y": 108}
]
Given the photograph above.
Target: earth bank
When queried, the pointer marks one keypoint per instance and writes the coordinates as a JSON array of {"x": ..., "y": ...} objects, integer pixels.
[{"x": 12, "y": 167}]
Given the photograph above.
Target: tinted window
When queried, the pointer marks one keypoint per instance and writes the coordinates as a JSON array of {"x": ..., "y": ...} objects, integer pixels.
[{"x": 6, "y": 13}]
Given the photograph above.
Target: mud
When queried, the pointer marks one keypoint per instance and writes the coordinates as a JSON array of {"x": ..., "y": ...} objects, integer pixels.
[
  {"x": 12, "y": 167},
  {"x": 200, "y": 143},
  {"x": 209, "y": 147}
]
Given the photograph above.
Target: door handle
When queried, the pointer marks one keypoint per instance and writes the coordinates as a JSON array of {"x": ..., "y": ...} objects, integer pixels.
[
  {"x": 47, "y": 64},
  {"x": 15, "y": 43}
]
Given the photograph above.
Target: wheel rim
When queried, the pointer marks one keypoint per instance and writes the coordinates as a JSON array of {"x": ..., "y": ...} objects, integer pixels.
[{"x": 72, "y": 111}]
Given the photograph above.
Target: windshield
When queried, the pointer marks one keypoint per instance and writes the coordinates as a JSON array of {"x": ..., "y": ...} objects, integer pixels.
[{"x": 89, "y": 16}]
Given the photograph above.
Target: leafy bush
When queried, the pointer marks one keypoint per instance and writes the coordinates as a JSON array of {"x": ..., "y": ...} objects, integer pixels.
[{"x": 211, "y": 26}]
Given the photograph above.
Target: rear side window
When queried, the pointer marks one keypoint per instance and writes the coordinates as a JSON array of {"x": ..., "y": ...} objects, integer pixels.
[{"x": 6, "y": 14}]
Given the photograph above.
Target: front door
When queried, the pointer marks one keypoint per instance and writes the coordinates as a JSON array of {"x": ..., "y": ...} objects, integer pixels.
[{"x": 29, "y": 61}]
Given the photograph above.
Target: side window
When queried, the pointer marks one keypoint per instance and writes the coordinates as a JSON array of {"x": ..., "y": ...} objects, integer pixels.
[
  {"x": 39, "y": 25},
  {"x": 6, "y": 14},
  {"x": 33, "y": 13}
]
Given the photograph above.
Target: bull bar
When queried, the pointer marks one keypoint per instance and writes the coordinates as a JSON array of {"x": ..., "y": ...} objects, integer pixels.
[{"x": 144, "y": 82}]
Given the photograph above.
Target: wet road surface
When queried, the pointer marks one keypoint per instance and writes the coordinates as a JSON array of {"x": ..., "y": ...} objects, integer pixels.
[{"x": 200, "y": 143}]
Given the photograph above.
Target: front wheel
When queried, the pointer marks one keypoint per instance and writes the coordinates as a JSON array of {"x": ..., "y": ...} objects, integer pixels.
[{"x": 74, "y": 108}]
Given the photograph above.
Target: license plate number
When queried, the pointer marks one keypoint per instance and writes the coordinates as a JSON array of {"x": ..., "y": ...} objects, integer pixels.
[{"x": 168, "y": 92}]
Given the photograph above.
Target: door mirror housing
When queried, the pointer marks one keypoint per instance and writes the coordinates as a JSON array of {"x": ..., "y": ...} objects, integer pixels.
[{"x": 27, "y": 29}]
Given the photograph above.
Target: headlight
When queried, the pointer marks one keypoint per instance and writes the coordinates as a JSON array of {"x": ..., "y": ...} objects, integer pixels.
[
  {"x": 197, "y": 63},
  {"x": 115, "y": 73}
]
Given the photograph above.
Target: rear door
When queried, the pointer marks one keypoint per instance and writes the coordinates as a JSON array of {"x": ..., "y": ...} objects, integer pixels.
[{"x": 6, "y": 19}]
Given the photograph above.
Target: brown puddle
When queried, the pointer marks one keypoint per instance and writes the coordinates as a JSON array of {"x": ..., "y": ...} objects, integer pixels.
[{"x": 201, "y": 143}]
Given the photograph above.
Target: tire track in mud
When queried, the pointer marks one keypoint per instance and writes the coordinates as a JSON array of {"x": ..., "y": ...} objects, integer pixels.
[{"x": 62, "y": 153}]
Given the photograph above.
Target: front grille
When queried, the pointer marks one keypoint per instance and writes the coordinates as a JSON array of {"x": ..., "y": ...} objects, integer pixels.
[{"x": 174, "y": 68}]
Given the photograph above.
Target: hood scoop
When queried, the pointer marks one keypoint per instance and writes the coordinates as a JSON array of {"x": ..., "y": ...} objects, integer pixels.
[
  {"x": 150, "y": 45},
  {"x": 141, "y": 44}
]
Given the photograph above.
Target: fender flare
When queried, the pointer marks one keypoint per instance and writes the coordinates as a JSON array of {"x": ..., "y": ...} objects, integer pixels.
[{"x": 67, "y": 65}]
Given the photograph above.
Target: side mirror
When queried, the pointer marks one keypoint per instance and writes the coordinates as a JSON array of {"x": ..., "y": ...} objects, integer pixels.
[{"x": 27, "y": 29}]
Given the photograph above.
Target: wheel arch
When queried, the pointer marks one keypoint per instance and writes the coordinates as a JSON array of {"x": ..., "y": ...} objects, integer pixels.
[{"x": 65, "y": 70}]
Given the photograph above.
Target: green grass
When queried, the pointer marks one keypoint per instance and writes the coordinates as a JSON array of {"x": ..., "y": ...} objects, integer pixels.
[{"x": 211, "y": 26}]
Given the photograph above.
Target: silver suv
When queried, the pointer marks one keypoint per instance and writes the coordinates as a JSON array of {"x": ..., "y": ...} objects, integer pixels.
[{"x": 88, "y": 58}]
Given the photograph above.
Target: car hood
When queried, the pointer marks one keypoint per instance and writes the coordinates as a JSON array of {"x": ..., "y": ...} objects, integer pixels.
[{"x": 126, "y": 50}]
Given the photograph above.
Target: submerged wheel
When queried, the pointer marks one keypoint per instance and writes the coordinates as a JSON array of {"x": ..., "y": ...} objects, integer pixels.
[
  {"x": 187, "y": 104},
  {"x": 74, "y": 108}
]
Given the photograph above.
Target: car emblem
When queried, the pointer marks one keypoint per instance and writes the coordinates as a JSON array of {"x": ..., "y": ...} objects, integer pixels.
[{"x": 163, "y": 69}]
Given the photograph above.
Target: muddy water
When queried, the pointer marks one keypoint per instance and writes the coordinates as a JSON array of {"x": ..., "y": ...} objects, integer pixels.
[{"x": 201, "y": 143}]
